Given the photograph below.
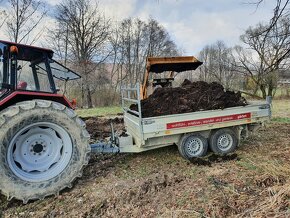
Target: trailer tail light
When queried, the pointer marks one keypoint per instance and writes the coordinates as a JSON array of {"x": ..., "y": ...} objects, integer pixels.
[{"x": 74, "y": 102}]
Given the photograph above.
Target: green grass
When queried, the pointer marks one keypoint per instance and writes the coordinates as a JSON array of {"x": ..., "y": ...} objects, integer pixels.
[
  {"x": 279, "y": 93},
  {"x": 281, "y": 111},
  {"x": 281, "y": 119},
  {"x": 281, "y": 108},
  {"x": 100, "y": 111},
  {"x": 246, "y": 165}
]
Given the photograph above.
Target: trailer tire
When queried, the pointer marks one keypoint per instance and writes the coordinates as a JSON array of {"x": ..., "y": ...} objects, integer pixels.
[
  {"x": 192, "y": 145},
  {"x": 223, "y": 141},
  {"x": 44, "y": 147}
]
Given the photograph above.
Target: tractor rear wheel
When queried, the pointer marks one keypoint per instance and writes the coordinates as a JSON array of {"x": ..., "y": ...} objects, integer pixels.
[{"x": 43, "y": 148}]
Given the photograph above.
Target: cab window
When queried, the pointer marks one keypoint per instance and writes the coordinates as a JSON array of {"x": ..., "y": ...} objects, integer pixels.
[
  {"x": 42, "y": 75},
  {"x": 32, "y": 77},
  {"x": 25, "y": 77}
]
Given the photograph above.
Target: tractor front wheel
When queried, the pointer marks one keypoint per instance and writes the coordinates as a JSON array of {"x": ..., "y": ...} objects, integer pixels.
[{"x": 43, "y": 148}]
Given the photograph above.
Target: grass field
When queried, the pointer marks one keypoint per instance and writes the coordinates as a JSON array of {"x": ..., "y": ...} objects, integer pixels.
[
  {"x": 281, "y": 109},
  {"x": 101, "y": 111}
]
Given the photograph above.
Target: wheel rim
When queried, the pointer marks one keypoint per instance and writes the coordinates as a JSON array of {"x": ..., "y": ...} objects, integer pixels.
[
  {"x": 193, "y": 146},
  {"x": 39, "y": 152},
  {"x": 225, "y": 142}
]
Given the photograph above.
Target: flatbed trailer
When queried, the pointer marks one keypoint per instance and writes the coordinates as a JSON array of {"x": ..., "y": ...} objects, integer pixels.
[{"x": 221, "y": 130}]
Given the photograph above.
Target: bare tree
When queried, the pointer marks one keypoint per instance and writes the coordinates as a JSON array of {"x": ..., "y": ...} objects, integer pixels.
[
  {"x": 136, "y": 41},
  {"x": 3, "y": 16},
  {"x": 218, "y": 64},
  {"x": 281, "y": 9},
  {"x": 107, "y": 58},
  {"x": 22, "y": 18},
  {"x": 84, "y": 32},
  {"x": 269, "y": 53},
  {"x": 159, "y": 41}
]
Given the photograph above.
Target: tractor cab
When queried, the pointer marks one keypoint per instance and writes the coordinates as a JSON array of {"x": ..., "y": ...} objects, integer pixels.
[
  {"x": 159, "y": 65},
  {"x": 44, "y": 145},
  {"x": 28, "y": 71}
]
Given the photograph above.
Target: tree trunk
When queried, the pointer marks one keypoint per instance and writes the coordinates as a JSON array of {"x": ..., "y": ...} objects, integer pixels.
[
  {"x": 270, "y": 89},
  {"x": 256, "y": 89},
  {"x": 263, "y": 90},
  {"x": 82, "y": 94},
  {"x": 89, "y": 97}
]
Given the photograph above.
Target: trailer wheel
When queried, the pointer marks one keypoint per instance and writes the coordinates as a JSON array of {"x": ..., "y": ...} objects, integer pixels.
[
  {"x": 43, "y": 148},
  {"x": 192, "y": 145},
  {"x": 223, "y": 141}
]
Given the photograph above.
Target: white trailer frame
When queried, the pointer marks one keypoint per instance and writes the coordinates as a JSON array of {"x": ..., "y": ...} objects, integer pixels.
[{"x": 153, "y": 132}]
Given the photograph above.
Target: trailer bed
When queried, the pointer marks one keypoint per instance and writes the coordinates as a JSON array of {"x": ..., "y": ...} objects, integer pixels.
[{"x": 152, "y": 132}]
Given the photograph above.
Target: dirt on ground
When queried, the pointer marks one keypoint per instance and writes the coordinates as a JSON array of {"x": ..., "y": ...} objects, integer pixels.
[
  {"x": 100, "y": 127},
  {"x": 189, "y": 97},
  {"x": 252, "y": 182}
]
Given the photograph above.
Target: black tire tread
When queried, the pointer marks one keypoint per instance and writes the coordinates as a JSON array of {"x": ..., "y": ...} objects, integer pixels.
[
  {"x": 183, "y": 140},
  {"x": 23, "y": 190},
  {"x": 213, "y": 140}
]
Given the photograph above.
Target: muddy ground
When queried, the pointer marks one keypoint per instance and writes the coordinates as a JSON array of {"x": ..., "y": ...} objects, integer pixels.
[
  {"x": 255, "y": 181},
  {"x": 189, "y": 97},
  {"x": 100, "y": 127}
]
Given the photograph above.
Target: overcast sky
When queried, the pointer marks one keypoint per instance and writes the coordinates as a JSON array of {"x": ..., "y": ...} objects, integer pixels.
[{"x": 192, "y": 24}]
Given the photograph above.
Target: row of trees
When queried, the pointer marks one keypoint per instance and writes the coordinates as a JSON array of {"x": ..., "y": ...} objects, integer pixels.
[
  {"x": 107, "y": 54},
  {"x": 110, "y": 54},
  {"x": 260, "y": 62}
]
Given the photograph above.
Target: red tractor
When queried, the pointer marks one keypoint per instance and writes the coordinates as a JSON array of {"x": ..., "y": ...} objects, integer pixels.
[{"x": 43, "y": 144}]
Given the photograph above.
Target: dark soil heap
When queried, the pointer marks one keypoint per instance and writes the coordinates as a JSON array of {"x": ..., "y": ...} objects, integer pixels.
[{"x": 190, "y": 97}]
